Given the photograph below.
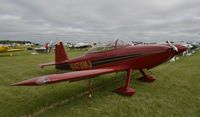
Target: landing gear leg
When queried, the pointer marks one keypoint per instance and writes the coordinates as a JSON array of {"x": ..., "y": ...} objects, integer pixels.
[
  {"x": 146, "y": 78},
  {"x": 90, "y": 88},
  {"x": 126, "y": 90}
]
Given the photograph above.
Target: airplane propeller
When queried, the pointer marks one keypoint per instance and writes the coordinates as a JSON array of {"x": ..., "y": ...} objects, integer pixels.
[{"x": 173, "y": 46}]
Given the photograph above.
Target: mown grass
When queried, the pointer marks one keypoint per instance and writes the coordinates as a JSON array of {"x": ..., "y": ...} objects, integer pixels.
[{"x": 175, "y": 93}]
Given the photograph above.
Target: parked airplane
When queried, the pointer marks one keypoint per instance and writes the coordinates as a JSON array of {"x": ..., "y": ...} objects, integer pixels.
[
  {"x": 82, "y": 45},
  {"x": 106, "y": 58}
]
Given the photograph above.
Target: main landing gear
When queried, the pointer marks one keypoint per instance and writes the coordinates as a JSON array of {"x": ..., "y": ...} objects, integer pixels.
[
  {"x": 146, "y": 78},
  {"x": 126, "y": 90}
]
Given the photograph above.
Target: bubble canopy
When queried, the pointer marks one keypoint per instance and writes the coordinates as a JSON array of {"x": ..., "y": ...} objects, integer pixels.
[{"x": 110, "y": 45}]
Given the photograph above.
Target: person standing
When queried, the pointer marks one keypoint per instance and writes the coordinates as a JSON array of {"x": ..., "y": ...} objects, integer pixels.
[
  {"x": 46, "y": 47},
  {"x": 50, "y": 46}
]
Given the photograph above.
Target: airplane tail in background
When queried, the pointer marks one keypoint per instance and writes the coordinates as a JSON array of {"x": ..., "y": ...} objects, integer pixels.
[{"x": 60, "y": 54}]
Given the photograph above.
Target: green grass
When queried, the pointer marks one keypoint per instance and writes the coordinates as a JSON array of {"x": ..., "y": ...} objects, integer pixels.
[{"x": 175, "y": 93}]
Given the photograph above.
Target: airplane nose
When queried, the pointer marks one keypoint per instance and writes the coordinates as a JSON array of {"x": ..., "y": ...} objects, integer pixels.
[{"x": 181, "y": 48}]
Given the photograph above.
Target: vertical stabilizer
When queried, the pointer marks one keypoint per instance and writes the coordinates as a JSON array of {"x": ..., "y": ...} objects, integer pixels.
[{"x": 60, "y": 54}]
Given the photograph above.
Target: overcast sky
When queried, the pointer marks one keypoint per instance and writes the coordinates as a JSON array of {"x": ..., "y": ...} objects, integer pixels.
[{"x": 100, "y": 20}]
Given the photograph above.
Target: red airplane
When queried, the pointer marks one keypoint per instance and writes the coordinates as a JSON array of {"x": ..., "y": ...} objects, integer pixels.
[{"x": 106, "y": 58}]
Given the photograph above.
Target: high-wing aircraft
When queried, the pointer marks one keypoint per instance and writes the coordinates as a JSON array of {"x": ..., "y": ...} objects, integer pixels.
[{"x": 106, "y": 58}]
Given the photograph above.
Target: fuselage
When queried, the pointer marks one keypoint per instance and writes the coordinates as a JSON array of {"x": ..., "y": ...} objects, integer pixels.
[{"x": 135, "y": 57}]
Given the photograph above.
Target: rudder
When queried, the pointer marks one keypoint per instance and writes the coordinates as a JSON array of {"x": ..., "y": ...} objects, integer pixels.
[{"x": 60, "y": 54}]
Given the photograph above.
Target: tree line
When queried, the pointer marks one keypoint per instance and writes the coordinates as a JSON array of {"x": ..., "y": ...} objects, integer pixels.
[{"x": 10, "y": 42}]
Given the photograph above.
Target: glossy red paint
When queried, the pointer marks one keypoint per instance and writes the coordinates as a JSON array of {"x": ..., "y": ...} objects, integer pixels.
[
  {"x": 60, "y": 53},
  {"x": 121, "y": 58}
]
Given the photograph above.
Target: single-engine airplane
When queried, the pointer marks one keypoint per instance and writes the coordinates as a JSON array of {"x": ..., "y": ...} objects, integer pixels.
[{"x": 106, "y": 58}]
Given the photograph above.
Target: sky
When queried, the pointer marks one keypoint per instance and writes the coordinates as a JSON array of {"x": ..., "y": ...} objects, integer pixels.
[{"x": 100, "y": 20}]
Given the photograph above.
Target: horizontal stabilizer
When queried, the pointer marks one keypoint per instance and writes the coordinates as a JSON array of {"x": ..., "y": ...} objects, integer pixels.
[
  {"x": 51, "y": 63},
  {"x": 46, "y": 64}
]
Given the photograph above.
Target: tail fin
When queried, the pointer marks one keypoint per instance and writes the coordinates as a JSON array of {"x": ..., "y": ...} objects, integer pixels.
[{"x": 60, "y": 54}]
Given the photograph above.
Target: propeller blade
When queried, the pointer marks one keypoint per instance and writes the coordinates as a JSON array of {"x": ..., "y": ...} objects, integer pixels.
[{"x": 173, "y": 46}]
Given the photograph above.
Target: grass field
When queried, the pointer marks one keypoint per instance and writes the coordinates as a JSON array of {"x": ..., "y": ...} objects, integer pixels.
[{"x": 175, "y": 93}]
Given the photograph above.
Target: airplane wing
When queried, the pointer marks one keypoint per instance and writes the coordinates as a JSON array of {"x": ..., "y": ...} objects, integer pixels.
[{"x": 71, "y": 76}]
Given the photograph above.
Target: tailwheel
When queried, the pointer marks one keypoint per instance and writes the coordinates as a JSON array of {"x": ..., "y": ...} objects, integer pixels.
[
  {"x": 146, "y": 78},
  {"x": 126, "y": 90}
]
